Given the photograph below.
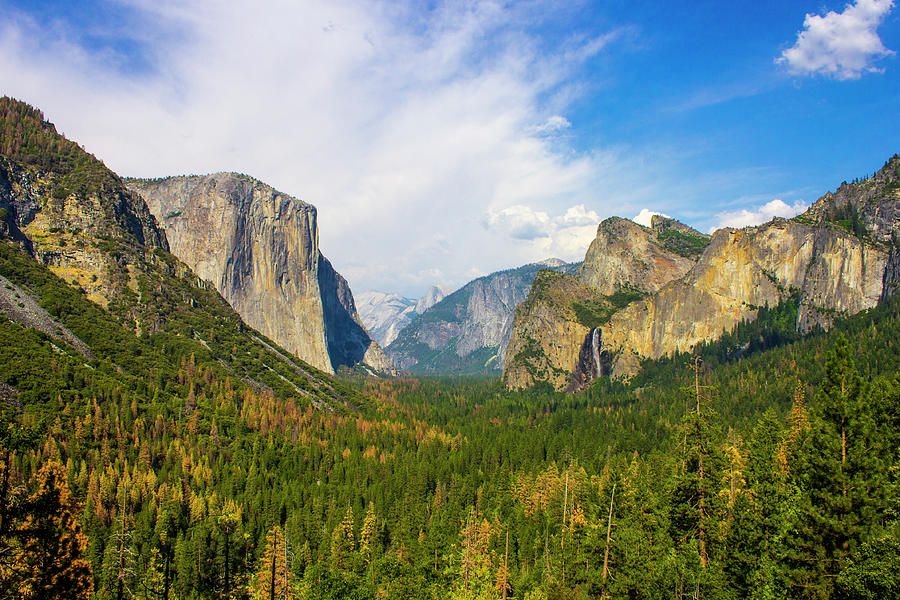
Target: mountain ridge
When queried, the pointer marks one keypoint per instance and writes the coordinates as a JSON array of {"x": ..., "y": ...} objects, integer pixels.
[
  {"x": 467, "y": 331},
  {"x": 839, "y": 257}
]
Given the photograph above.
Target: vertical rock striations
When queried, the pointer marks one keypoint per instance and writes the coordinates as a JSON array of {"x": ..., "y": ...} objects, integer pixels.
[
  {"x": 260, "y": 248},
  {"x": 624, "y": 262},
  {"x": 832, "y": 271}
]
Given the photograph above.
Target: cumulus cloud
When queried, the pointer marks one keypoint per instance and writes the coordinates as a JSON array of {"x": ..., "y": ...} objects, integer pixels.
[
  {"x": 644, "y": 217},
  {"x": 755, "y": 216},
  {"x": 567, "y": 234},
  {"x": 841, "y": 45}
]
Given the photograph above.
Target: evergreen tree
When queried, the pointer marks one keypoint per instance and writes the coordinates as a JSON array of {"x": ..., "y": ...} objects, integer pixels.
[
  {"x": 755, "y": 543},
  {"x": 841, "y": 472},
  {"x": 698, "y": 511},
  {"x": 273, "y": 575},
  {"x": 50, "y": 558}
]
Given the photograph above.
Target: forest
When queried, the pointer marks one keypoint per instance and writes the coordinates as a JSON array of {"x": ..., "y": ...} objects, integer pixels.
[{"x": 763, "y": 465}]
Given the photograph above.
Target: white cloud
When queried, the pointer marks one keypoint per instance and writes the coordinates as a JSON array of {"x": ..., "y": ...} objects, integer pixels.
[
  {"x": 761, "y": 214},
  {"x": 519, "y": 222},
  {"x": 553, "y": 125},
  {"x": 404, "y": 127},
  {"x": 644, "y": 217},
  {"x": 567, "y": 235},
  {"x": 840, "y": 45}
]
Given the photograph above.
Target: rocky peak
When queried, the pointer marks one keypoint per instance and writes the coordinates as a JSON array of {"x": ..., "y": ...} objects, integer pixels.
[
  {"x": 434, "y": 295},
  {"x": 840, "y": 257},
  {"x": 551, "y": 262},
  {"x": 468, "y": 330},
  {"x": 260, "y": 248},
  {"x": 866, "y": 207},
  {"x": 67, "y": 209},
  {"x": 628, "y": 255}
]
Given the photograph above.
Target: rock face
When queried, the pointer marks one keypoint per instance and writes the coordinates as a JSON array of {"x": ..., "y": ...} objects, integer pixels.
[
  {"x": 553, "y": 335},
  {"x": 840, "y": 257},
  {"x": 627, "y": 255},
  {"x": 467, "y": 331},
  {"x": 833, "y": 271},
  {"x": 68, "y": 210},
  {"x": 547, "y": 339},
  {"x": 434, "y": 295},
  {"x": 260, "y": 249},
  {"x": 385, "y": 315}
]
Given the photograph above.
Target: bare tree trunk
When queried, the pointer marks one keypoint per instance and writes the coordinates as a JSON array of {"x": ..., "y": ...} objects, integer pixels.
[
  {"x": 274, "y": 559},
  {"x": 608, "y": 533}
]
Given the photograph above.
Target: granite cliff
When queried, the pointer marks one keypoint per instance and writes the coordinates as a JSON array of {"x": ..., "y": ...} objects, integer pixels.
[
  {"x": 260, "y": 249},
  {"x": 832, "y": 272},
  {"x": 468, "y": 330},
  {"x": 625, "y": 261},
  {"x": 838, "y": 258},
  {"x": 84, "y": 262}
]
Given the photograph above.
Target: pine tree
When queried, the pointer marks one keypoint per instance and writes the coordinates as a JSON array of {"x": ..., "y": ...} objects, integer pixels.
[
  {"x": 273, "y": 576},
  {"x": 52, "y": 545},
  {"x": 698, "y": 511},
  {"x": 841, "y": 472},
  {"x": 343, "y": 541},
  {"x": 755, "y": 548}
]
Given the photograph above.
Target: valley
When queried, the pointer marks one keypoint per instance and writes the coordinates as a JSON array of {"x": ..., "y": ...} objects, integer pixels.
[{"x": 194, "y": 405}]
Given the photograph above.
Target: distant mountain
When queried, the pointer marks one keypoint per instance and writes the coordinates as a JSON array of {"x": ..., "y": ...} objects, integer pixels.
[
  {"x": 385, "y": 314},
  {"x": 467, "y": 331}
]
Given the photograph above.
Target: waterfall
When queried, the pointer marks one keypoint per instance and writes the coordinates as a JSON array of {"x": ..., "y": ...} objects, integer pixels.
[{"x": 595, "y": 347}]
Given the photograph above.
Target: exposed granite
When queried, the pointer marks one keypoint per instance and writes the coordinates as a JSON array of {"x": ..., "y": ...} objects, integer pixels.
[{"x": 260, "y": 248}]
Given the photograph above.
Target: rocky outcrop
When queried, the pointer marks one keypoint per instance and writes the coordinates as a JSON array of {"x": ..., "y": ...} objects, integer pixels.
[
  {"x": 840, "y": 257},
  {"x": 624, "y": 262},
  {"x": 467, "y": 331},
  {"x": 832, "y": 271},
  {"x": 546, "y": 342},
  {"x": 260, "y": 249},
  {"x": 348, "y": 342},
  {"x": 627, "y": 255},
  {"x": 868, "y": 207},
  {"x": 435, "y": 294},
  {"x": 68, "y": 210}
]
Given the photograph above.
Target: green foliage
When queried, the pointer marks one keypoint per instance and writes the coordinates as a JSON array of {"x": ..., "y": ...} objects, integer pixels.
[
  {"x": 594, "y": 313},
  {"x": 847, "y": 217},
  {"x": 685, "y": 244},
  {"x": 870, "y": 573},
  {"x": 27, "y": 138},
  {"x": 185, "y": 437}
]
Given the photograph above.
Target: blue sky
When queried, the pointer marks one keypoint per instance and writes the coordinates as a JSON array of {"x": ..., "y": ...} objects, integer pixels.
[{"x": 444, "y": 140}]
